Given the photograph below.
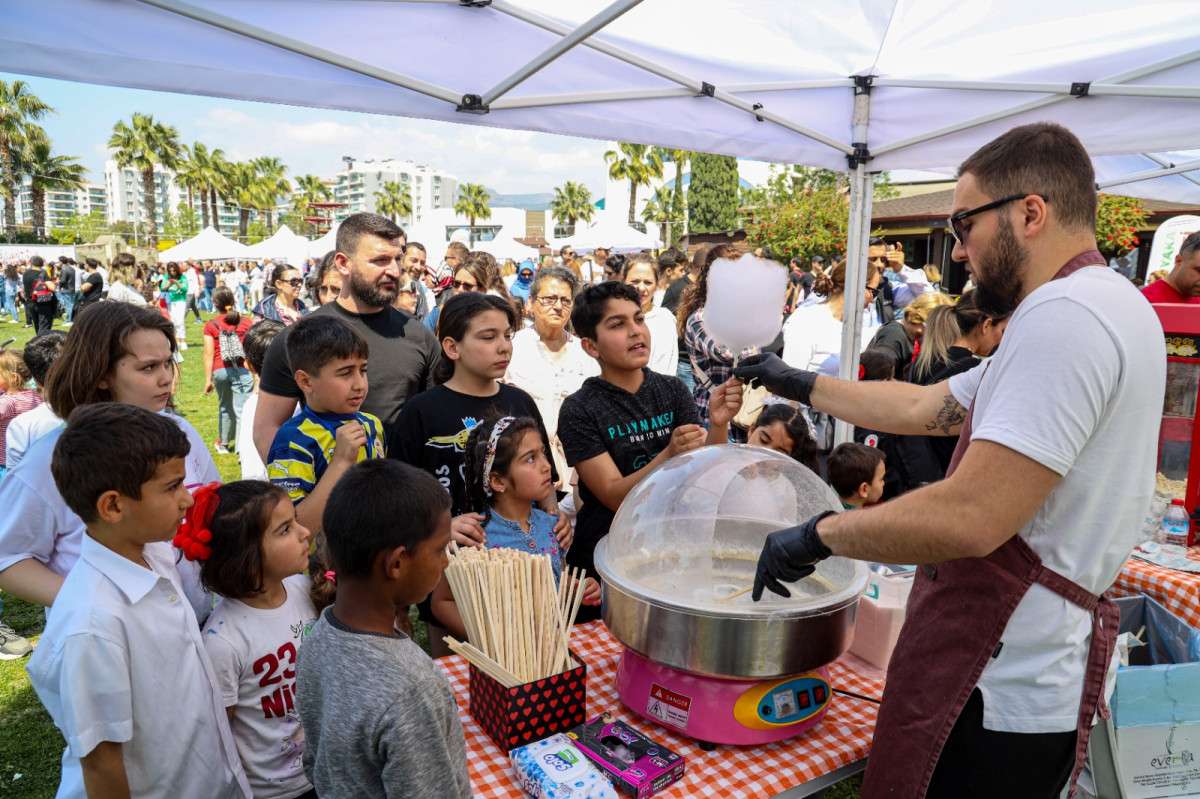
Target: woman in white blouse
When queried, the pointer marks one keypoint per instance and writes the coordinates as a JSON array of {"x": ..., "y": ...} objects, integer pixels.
[
  {"x": 812, "y": 335},
  {"x": 548, "y": 361},
  {"x": 120, "y": 285},
  {"x": 642, "y": 272}
]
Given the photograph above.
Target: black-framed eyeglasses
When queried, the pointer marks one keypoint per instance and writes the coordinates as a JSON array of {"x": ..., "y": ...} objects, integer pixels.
[
  {"x": 955, "y": 221},
  {"x": 329, "y": 289}
]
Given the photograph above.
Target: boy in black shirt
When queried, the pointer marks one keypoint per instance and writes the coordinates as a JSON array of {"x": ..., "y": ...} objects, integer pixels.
[{"x": 620, "y": 426}]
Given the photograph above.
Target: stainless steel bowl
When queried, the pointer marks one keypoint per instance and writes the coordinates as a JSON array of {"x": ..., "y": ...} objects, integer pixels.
[{"x": 774, "y": 639}]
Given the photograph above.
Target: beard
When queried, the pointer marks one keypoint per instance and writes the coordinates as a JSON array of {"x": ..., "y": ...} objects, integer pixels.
[
  {"x": 371, "y": 293},
  {"x": 998, "y": 273}
]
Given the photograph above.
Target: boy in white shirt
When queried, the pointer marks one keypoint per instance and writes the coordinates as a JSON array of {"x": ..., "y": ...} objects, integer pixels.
[{"x": 121, "y": 666}]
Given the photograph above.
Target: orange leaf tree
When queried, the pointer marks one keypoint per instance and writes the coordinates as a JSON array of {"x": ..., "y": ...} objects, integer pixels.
[{"x": 1117, "y": 222}]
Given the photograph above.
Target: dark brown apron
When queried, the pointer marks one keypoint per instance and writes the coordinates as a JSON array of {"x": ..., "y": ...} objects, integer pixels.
[{"x": 956, "y": 615}]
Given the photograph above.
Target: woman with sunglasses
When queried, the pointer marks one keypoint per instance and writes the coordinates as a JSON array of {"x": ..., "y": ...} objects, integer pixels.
[
  {"x": 548, "y": 362},
  {"x": 472, "y": 276},
  {"x": 282, "y": 303}
]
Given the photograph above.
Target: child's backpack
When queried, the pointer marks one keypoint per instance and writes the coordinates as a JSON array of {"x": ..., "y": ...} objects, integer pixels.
[{"x": 231, "y": 347}]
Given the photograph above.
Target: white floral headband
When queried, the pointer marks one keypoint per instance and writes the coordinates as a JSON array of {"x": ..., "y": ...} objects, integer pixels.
[{"x": 502, "y": 424}]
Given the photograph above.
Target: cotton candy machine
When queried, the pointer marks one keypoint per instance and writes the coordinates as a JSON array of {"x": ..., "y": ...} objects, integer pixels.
[{"x": 701, "y": 656}]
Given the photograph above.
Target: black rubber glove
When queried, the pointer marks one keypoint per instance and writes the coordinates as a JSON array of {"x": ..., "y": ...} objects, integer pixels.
[
  {"x": 788, "y": 556},
  {"x": 768, "y": 369}
]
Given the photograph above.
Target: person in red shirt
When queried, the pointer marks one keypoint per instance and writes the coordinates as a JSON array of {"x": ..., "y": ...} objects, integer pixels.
[
  {"x": 225, "y": 366},
  {"x": 1183, "y": 283}
]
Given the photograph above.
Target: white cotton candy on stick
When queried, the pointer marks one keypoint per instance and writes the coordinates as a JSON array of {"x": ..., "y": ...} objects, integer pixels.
[{"x": 745, "y": 302}]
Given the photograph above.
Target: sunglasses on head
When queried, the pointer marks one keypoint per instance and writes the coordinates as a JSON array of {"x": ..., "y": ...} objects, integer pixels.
[{"x": 959, "y": 231}]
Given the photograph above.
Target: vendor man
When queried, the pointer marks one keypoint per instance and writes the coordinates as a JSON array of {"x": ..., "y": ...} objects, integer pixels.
[
  {"x": 1001, "y": 664},
  {"x": 1182, "y": 284}
]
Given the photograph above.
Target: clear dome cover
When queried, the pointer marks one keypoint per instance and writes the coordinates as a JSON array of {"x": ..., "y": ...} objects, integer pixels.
[{"x": 690, "y": 534}]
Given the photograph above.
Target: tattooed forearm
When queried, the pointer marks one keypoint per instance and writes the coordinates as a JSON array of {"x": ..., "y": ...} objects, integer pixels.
[{"x": 949, "y": 417}]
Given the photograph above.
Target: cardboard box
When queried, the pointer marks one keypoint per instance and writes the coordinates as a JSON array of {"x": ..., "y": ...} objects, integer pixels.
[
  {"x": 1150, "y": 748},
  {"x": 517, "y": 716},
  {"x": 636, "y": 765}
]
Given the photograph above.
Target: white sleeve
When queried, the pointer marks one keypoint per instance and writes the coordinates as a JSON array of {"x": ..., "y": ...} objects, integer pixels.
[
  {"x": 97, "y": 698},
  {"x": 1049, "y": 389},
  {"x": 964, "y": 384},
  {"x": 16, "y": 441},
  {"x": 30, "y": 519},
  {"x": 227, "y": 666},
  {"x": 797, "y": 347},
  {"x": 201, "y": 469}
]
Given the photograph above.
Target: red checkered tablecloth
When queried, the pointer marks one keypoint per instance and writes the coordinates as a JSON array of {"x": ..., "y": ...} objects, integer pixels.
[
  {"x": 842, "y": 738},
  {"x": 1178, "y": 592}
]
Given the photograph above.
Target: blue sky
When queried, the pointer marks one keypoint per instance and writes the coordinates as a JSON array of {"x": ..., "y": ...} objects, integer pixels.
[{"x": 313, "y": 141}]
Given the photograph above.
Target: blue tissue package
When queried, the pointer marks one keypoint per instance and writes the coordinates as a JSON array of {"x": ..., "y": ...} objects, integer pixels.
[{"x": 554, "y": 769}]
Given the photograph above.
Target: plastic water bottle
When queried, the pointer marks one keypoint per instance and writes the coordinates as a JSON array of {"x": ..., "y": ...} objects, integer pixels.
[{"x": 1175, "y": 524}]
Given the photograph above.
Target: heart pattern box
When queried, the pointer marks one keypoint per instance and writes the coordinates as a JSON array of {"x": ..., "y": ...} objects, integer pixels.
[{"x": 517, "y": 716}]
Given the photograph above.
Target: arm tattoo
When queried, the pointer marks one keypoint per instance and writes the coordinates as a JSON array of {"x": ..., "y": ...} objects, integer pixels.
[{"x": 949, "y": 417}]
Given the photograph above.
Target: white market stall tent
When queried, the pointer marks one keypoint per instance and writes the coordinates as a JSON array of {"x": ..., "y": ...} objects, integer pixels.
[
  {"x": 207, "y": 245},
  {"x": 503, "y": 247},
  {"x": 283, "y": 245},
  {"x": 318, "y": 247},
  {"x": 860, "y": 86},
  {"x": 612, "y": 231}
]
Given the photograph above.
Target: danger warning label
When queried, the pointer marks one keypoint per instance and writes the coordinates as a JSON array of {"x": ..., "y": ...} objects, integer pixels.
[{"x": 668, "y": 706}]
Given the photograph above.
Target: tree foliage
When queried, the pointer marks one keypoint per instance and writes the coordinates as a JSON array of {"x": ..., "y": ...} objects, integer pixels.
[
  {"x": 144, "y": 144},
  {"x": 473, "y": 203},
  {"x": 394, "y": 200},
  {"x": 80, "y": 229},
  {"x": 572, "y": 202},
  {"x": 1118, "y": 220},
  {"x": 713, "y": 194},
  {"x": 637, "y": 163}
]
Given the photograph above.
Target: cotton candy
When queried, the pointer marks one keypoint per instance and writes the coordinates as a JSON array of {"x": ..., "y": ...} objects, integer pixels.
[{"x": 745, "y": 302}]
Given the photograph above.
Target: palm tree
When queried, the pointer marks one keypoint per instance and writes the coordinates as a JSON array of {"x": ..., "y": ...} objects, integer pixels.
[
  {"x": 394, "y": 201},
  {"x": 144, "y": 145},
  {"x": 18, "y": 108},
  {"x": 189, "y": 174},
  {"x": 48, "y": 171},
  {"x": 572, "y": 202},
  {"x": 472, "y": 203},
  {"x": 220, "y": 172},
  {"x": 678, "y": 201},
  {"x": 658, "y": 211},
  {"x": 246, "y": 188},
  {"x": 313, "y": 189},
  {"x": 637, "y": 163},
  {"x": 274, "y": 185}
]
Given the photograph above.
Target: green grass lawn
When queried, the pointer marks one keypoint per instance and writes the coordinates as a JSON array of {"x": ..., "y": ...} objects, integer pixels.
[{"x": 30, "y": 746}]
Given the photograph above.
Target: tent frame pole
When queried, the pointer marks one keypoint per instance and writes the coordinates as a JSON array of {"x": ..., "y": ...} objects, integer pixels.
[
  {"x": 858, "y": 233},
  {"x": 1061, "y": 89},
  {"x": 1165, "y": 163},
  {"x": 303, "y": 48},
  {"x": 560, "y": 47},
  {"x": 1042, "y": 102},
  {"x": 1150, "y": 174},
  {"x": 619, "y": 95}
]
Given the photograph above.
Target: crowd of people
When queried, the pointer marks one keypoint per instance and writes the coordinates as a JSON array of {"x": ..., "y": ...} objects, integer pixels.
[{"x": 509, "y": 405}]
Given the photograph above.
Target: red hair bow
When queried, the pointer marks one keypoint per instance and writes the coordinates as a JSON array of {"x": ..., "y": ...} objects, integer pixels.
[{"x": 194, "y": 537}]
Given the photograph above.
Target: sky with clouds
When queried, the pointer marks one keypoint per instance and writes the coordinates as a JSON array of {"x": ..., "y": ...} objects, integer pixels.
[{"x": 314, "y": 140}]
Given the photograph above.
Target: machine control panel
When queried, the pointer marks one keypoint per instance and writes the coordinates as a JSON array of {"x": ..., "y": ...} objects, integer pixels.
[{"x": 782, "y": 702}]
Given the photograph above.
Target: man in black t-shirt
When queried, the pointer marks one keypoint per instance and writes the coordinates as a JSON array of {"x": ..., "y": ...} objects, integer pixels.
[
  {"x": 92, "y": 286},
  {"x": 66, "y": 287},
  {"x": 622, "y": 425},
  {"x": 369, "y": 252},
  {"x": 40, "y": 302}
]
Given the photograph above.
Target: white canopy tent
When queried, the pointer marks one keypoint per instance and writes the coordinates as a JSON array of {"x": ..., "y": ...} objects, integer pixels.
[
  {"x": 206, "y": 245},
  {"x": 503, "y": 247},
  {"x": 318, "y": 247},
  {"x": 855, "y": 85},
  {"x": 613, "y": 231},
  {"x": 283, "y": 245}
]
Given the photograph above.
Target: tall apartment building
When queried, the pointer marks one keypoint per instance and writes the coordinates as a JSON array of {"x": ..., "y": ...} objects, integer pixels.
[
  {"x": 356, "y": 187},
  {"x": 125, "y": 198},
  {"x": 61, "y": 204}
]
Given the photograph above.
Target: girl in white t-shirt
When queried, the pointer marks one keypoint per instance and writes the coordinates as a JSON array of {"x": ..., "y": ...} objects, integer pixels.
[
  {"x": 115, "y": 352},
  {"x": 643, "y": 273},
  {"x": 253, "y": 553}
]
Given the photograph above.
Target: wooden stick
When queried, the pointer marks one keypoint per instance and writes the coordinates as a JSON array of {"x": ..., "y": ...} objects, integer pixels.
[
  {"x": 736, "y": 594},
  {"x": 483, "y": 662}
]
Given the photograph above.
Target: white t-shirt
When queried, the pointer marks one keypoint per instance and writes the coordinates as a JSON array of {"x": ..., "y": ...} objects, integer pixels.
[
  {"x": 812, "y": 337},
  {"x": 119, "y": 292},
  {"x": 254, "y": 655},
  {"x": 36, "y": 523},
  {"x": 664, "y": 341},
  {"x": 251, "y": 462},
  {"x": 1076, "y": 385},
  {"x": 233, "y": 279},
  {"x": 25, "y": 429},
  {"x": 122, "y": 660},
  {"x": 549, "y": 378}
]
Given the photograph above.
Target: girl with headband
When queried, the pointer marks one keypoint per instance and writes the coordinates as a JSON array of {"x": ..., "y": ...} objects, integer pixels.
[
  {"x": 252, "y": 553},
  {"x": 507, "y": 474}
]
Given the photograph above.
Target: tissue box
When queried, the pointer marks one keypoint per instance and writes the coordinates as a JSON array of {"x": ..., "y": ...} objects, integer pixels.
[
  {"x": 517, "y": 716},
  {"x": 635, "y": 764},
  {"x": 1150, "y": 748},
  {"x": 555, "y": 769}
]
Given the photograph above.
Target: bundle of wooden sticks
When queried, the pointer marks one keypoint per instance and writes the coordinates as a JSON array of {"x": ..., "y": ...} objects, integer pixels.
[{"x": 518, "y": 623}]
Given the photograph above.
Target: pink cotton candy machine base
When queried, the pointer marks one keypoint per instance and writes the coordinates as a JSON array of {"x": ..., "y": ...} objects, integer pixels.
[{"x": 720, "y": 711}]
